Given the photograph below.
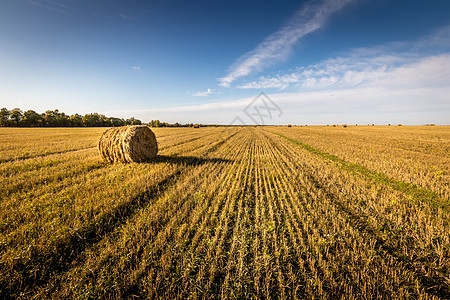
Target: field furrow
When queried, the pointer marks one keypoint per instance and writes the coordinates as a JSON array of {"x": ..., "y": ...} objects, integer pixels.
[
  {"x": 397, "y": 242},
  {"x": 228, "y": 212},
  {"x": 158, "y": 223}
]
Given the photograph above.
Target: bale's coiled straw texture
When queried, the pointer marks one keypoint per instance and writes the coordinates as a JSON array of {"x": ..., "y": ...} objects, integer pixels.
[{"x": 134, "y": 143}]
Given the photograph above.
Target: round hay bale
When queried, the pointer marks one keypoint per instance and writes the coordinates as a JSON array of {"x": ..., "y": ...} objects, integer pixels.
[{"x": 135, "y": 143}]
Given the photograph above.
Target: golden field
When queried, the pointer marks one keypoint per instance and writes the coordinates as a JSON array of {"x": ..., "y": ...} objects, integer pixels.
[{"x": 228, "y": 212}]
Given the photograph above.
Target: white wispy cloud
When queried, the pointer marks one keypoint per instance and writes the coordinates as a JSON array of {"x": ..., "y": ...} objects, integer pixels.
[
  {"x": 52, "y": 5},
  {"x": 411, "y": 93},
  {"x": 386, "y": 103},
  {"x": 363, "y": 66},
  {"x": 124, "y": 16},
  {"x": 136, "y": 68},
  {"x": 278, "y": 46},
  {"x": 405, "y": 82},
  {"x": 342, "y": 72},
  {"x": 203, "y": 93}
]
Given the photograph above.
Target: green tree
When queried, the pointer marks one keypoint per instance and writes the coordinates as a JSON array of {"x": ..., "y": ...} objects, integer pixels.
[
  {"x": 62, "y": 119},
  {"x": 31, "y": 118},
  {"x": 76, "y": 120},
  {"x": 105, "y": 120},
  {"x": 116, "y": 122},
  {"x": 133, "y": 121},
  {"x": 155, "y": 123},
  {"x": 93, "y": 120},
  {"x": 4, "y": 116},
  {"x": 16, "y": 116},
  {"x": 50, "y": 118}
]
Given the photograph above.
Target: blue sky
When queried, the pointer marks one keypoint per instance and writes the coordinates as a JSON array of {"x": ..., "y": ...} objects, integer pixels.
[{"x": 320, "y": 61}]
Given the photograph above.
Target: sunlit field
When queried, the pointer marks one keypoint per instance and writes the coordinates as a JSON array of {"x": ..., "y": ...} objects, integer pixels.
[{"x": 228, "y": 212}]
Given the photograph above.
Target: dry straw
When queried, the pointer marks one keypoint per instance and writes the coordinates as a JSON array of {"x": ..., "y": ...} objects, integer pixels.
[{"x": 135, "y": 143}]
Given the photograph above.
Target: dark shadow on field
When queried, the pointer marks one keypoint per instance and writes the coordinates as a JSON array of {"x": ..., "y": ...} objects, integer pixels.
[
  {"x": 186, "y": 160},
  {"x": 46, "y": 263}
]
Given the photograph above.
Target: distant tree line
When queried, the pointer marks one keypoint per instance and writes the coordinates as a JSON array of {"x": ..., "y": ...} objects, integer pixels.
[
  {"x": 158, "y": 123},
  {"x": 53, "y": 118}
]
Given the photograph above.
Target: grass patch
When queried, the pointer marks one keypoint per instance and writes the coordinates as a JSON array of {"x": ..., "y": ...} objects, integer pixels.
[{"x": 413, "y": 190}]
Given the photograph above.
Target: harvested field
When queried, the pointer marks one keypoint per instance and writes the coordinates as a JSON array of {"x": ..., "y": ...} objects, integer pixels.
[{"x": 228, "y": 212}]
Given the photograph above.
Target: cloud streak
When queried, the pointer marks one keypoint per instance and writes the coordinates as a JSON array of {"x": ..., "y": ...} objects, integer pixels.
[
  {"x": 409, "y": 92},
  {"x": 278, "y": 46},
  {"x": 403, "y": 82},
  {"x": 52, "y": 5},
  {"x": 203, "y": 94},
  {"x": 365, "y": 66},
  {"x": 386, "y": 102}
]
